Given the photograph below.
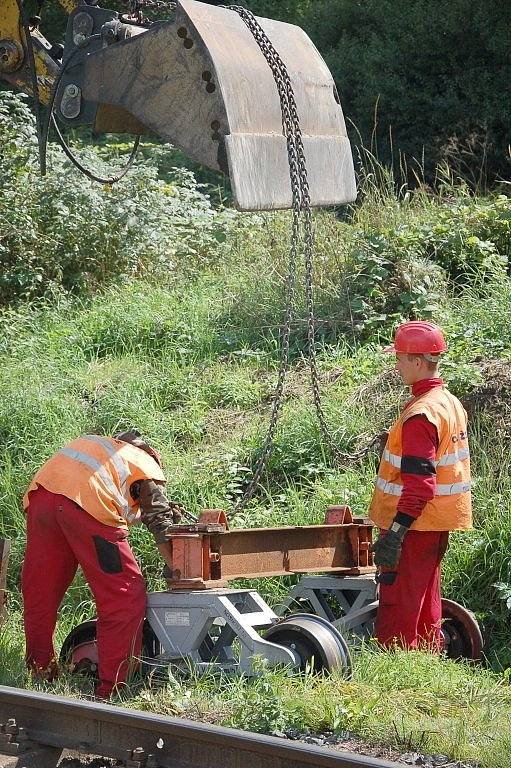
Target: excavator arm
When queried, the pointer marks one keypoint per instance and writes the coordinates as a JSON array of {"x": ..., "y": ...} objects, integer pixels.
[
  {"x": 200, "y": 80},
  {"x": 15, "y": 59}
]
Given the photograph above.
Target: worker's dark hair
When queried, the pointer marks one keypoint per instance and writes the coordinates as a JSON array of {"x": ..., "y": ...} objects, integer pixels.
[
  {"x": 134, "y": 437},
  {"x": 432, "y": 361}
]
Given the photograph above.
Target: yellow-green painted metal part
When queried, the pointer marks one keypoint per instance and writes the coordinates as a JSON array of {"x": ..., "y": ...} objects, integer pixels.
[
  {"x": 9, "y": 20},
  {"x": 69, "y": 5},
  {"x": 14, "y": 62}
]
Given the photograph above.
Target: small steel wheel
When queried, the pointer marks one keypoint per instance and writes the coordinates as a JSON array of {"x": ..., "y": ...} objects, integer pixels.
[
  {"x": 79, "y": 652},
  {"x": 461, "y": 632},
  {"x": 314, "y": 640}
]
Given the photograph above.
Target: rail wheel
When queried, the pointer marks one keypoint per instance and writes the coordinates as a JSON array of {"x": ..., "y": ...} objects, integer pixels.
[
  {"x": 79, "y": 652},
  {"x": 461, "y": 632},
  {"x": 316, "y": 642}
]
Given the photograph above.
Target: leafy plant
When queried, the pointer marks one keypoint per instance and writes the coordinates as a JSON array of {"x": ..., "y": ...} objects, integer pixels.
[
  {"x": 504, "y": 592},
  {"x": 62, "y": 231}
]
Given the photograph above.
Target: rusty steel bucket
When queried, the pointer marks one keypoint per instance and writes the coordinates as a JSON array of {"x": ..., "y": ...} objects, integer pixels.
[{"x": 201, "y": 81}]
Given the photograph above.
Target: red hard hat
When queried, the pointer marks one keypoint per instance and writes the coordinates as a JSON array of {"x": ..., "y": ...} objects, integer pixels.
[{"x": 418, "y": 337}]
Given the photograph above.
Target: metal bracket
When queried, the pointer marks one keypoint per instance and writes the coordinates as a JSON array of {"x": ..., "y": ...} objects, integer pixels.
[
  {"x": 139, "y": 758},
  {"x": 349, "y": 603},
  {"x": 74, "y": 105},
  {"x": 11, "y": 55},
  {"x": 71, "y": 101},
  {"x": 215, "y": 628},
  {"x": 83, "y": 25}
]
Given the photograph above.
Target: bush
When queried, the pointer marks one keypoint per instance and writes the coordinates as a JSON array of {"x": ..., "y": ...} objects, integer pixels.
[
  {"x": 405, "y": 269},
  {"x": 62, "y": 231},
  {"x": 427, "y": 78}
]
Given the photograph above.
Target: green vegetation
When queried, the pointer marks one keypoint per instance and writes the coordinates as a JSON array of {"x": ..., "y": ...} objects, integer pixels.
[
  {"x": 409, "y": 701},
  {"x": 172, "y": 325},
  {"x": 59, "y": 232},
  {"x": 423, "y": 82}
]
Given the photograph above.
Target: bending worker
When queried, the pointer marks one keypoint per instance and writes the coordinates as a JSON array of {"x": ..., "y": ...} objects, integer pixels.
[
  {"x": 422, "y": 492},
  {"x": 79, "y": 506}
]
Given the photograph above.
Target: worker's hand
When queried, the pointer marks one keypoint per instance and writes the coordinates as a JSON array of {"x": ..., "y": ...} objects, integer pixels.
[
  {"x": 387, "y": 549},
  {"x": 157, "y": 512},
  {"x": 177, "y": 511}
]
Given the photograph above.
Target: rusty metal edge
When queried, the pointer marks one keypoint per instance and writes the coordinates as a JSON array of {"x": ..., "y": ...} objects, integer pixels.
[
  {"x": 5, "y": 547},
  {"x": 22, "y": 704}
]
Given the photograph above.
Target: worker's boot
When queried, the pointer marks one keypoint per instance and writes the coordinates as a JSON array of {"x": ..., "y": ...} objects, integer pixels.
[{"x": 48, "y": 674}]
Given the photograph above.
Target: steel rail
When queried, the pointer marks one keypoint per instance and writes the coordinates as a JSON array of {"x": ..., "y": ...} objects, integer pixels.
[{"x": 111, "y": 731}]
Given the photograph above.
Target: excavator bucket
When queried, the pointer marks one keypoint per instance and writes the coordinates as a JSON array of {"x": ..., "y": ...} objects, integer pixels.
[{"x": 201, "y": 81}]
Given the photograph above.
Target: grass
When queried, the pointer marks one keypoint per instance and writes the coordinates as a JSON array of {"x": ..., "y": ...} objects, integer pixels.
[
  {"x": 165, "y": 367},
  {"x": 192, "y": 360},
  {"x": 411, "y": 701},
  {"x": 173, "y": 366}
]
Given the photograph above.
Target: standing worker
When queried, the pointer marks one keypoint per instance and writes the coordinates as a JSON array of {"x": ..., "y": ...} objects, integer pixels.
[
  {"x": 422, "y": 492},
  {"x": 78, "y": 507}
]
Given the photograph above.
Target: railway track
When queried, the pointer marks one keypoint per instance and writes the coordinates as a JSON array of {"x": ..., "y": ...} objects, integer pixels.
[{"x": 36, "y": 727}]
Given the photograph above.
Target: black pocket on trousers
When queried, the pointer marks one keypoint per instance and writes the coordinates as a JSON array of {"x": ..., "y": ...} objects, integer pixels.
[{"x": 109, "y": 557}]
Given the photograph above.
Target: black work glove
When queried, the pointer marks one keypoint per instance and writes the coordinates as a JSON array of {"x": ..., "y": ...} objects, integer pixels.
[
  {"x": 387, "y": 548},
  {"x": 156, "y": 511}
]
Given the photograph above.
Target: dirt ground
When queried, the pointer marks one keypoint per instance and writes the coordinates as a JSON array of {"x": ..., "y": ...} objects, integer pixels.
[{"x": 492, "y": 398}]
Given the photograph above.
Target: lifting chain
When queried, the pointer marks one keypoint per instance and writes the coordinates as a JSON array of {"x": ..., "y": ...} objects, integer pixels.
[{"x": 301, "y": 204}]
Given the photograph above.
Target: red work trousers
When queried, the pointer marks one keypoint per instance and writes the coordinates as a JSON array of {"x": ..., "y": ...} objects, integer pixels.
[
  {"x": 61, "y": 536},
  {"x": 410, "y": 607}
]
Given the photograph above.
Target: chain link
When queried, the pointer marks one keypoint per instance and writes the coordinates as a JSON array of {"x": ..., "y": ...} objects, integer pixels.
[
  {"x": 301, "y": 204},
  {"x": 283, "y": 84}
]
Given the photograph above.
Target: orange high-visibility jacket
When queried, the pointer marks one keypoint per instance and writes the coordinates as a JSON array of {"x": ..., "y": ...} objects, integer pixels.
[
  {"x": 97, "y": 472},
  {"x": 451, "y": 507}
]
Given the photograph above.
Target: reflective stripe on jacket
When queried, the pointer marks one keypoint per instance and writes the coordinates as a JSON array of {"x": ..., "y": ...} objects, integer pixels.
[
  {"x": 97, "y": 473},
  {"x": 451, "y": 508}
]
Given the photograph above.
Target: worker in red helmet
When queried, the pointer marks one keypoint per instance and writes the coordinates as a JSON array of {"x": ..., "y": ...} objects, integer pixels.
[
  {"x": 78, "y": 507},
  {"x": 422, "y": 492}
]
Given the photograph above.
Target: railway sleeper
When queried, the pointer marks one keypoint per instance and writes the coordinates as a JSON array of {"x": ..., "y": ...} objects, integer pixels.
[{"x": 17, "y": 750}]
